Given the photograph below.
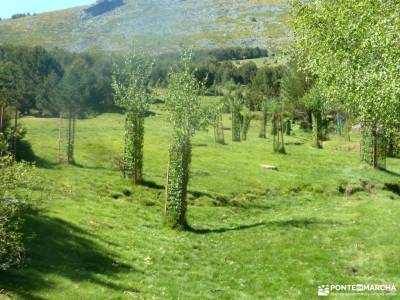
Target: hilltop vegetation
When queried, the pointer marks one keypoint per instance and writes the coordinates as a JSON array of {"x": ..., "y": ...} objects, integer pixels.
[
  {"x": 158, "y": 25},
  {"x": 103, "y": 6}
]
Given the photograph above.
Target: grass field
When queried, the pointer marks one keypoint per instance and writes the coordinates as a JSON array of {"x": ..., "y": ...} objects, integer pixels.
[{"x": 258, "y": 234}]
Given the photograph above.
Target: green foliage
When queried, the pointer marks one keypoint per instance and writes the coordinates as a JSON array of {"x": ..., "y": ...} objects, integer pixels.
[
  {"x": 317, "y": 103},
  {"x": 277, "y": 129},
  {"x": 28, "y": 69},
  {"x": 186, "y": 115},
  {"x": 294, "y": 85},
  {"x": 130, "y": 90},
  {"x": 15, "y": 181},
  {"x": 288, "y": 127},
  {"x": 247, "y": 117},
  {"x": 235, "y": 100},
  {"x": 8, "y": 131},
  {"x": 212, "y": 66},
  {"x": 177, "y": 182},
  {"x": 264, "y": 119},
  {"x": 10, "y": 83},
  {"x": 268, "y": 81},
  {"x": 374, "y": 146},
  {"x": 30, "y": 79},
  {"x": 317, "y": 130},
  {"x": 393, "y": 146},
  {"x": 73, "y": 95},
  {"x": 352, "y": 47},
  {"x": 215, "y": 112}
]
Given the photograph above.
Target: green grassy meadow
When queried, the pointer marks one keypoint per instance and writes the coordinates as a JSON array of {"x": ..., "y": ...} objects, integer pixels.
[{"x": 321, "y": 218}]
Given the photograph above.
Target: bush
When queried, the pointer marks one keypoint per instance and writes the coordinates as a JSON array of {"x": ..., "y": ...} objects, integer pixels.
[
  {"x": 16, "y": 180},
  {"x": 11, "y": 246}
]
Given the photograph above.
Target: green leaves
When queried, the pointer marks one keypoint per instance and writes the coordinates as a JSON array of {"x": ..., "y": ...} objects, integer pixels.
[
  {"x": 130, "y": 81},
  {"x": 16, "y": 179},
  {"x": 130, "y": 90},
  {"x": 352, "y": 46},
  {"x": 186, "y": 115},
  {"x": 183, "y": 100}
]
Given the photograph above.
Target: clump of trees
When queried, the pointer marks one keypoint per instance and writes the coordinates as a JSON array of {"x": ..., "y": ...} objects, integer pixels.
[
  {"x": 213, "y": 67},
  {"x": 130, "y": 91},
  {"x": 42, "y": 83},
  {"x": 22, "y": 15},
  {"x": 216, "y": 119},
  {"x": 358, "y": 74},
  {"x": 23, "y": 73}
]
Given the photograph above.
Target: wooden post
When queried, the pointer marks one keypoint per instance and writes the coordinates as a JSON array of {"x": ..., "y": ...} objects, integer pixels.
[
  {"x": 1, "y": 117},
  {"x": 15, "y": 134}
]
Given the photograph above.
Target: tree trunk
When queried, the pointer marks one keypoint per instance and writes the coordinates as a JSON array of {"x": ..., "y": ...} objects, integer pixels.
[
  {"x": 347, "y": 127},
  {"x": 1, "y": 118},
  {"x": 263, "y": 123},
  {"x": 374, "y": 149},
  {"x": 339, "y": 124},
  {"x": 138, "y": 151},
  {"x": 15, "y": 132},
  {"x": 60, "y": 139},
  {"x": 177, "y": 183},
  {"x": 71, "y": 136},
  {"x": 219, "y": 129},
  {"x": 246, "y": 124},
  {"x": 373, "y": 146},
  {"x": 216, "y": 131},
  {"x": 281, "y": 130},
  {"x": 236, "y": 124},
  {"x": 316, "y": 128},
  {"x": 133, "y": 154},
  {"x": 288, "y": 127},
  {"x": 278, "y": 133}
]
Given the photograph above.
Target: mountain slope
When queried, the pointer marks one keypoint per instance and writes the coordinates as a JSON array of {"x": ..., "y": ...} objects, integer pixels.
[{"x": 156, "y": 24}]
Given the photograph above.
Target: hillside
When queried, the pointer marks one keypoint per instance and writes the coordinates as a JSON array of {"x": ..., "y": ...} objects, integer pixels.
[
  {"x": 112, "y": 25},
  {"x": 97, "y": 236}
]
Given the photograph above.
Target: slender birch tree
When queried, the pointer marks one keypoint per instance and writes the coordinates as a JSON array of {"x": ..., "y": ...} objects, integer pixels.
[
  {"x": 186, "y": 115},
  {"x": 75, "y": 90},
  {"x": 130, "y": 82},
  {"x": 234, "y": 98},
  {"x": 315, "y": 101}
]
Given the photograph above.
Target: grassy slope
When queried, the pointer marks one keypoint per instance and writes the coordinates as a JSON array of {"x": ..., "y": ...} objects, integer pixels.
[{"x": 261, "y": 234}]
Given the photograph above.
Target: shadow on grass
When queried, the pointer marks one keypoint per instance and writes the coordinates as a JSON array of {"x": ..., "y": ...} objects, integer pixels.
[
  {"x": 156, "y": 186},
  {"x": 299, "y": 223},
  {"x": 45, "y": 164},
  {"x": 200, "y": 145},
  {"x": 25, "y": 153},
  {"x": 393, "y": 187},
  {"x": 58, "y": 248},
  {"x": 152, "y": 185},
  {"x": 80, "y": 166},
  {"x": 390, "y": 172}
]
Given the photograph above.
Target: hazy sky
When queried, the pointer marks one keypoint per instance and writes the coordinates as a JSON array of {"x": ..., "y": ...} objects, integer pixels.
[{"x": 10, "y": 7}]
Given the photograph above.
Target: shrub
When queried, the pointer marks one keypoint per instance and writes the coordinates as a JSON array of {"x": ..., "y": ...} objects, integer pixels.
[{"x": 15, "y": 180}]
